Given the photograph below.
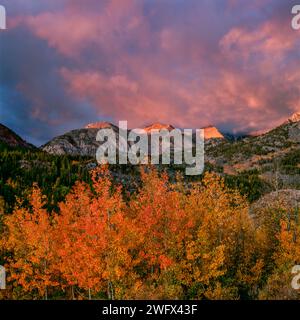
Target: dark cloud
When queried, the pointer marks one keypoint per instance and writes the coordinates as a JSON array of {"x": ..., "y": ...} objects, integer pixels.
[{"x": 33, "y": 100}]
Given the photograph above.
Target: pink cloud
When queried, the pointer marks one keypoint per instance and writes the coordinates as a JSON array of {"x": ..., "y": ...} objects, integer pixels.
[
  {"x": 146, "y": 70},
  {"x": 271, "y": 40},
  {"x": 68, "y": 34},
  {"x": 70, "y": 31},
  {"x": 120, "y": 97}
]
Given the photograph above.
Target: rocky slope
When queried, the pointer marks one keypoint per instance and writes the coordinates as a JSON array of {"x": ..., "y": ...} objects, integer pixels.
[
  {"x": 10, "y": 138},
  {"x": 79, "y": 142},
  {"x": 76, "y": 142},
  {"x": 288, "y": 198},
  {"x": 275, "y": 155},
  {"x": 277, "y": 141}
]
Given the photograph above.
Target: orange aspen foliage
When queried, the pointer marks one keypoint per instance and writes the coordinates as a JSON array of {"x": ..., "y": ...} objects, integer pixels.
[
  {"x": 73, "y": 259},
  {"x": 168, "y": 241},
  {"x": 285, "y": 256},
  {"x": 28, "y": 237},
  {"x": 107, "y": 217},
  {"x": 222, "y": 242}
]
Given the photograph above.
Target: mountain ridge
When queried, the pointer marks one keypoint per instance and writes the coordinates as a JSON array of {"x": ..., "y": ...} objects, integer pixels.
[
  {"x": 271, "y": 159},
  {"x": 83, "y": 141},
  {"x": 12, "y": 139}
]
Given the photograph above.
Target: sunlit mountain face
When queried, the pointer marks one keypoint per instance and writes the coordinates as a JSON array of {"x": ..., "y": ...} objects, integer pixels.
[{"x": 230, "y": 64}]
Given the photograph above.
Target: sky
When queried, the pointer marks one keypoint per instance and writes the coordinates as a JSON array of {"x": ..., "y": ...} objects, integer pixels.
[{"x": 234, "y": 64}]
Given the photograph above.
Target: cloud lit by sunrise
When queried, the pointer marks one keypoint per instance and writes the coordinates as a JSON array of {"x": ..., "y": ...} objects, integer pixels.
[{"x": 233, "y": 64}]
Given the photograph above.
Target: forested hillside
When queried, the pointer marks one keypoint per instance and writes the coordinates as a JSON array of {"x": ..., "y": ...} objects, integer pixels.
[{"x": 71, "y": 229}]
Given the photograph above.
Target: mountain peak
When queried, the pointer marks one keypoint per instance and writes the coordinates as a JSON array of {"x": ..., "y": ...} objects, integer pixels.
[
  {"x": 212, "y": 132},
  {"x": 158, "y": 126},
  {"x": 295, "y": 117},
  {"x": 99, "y": 125}
]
